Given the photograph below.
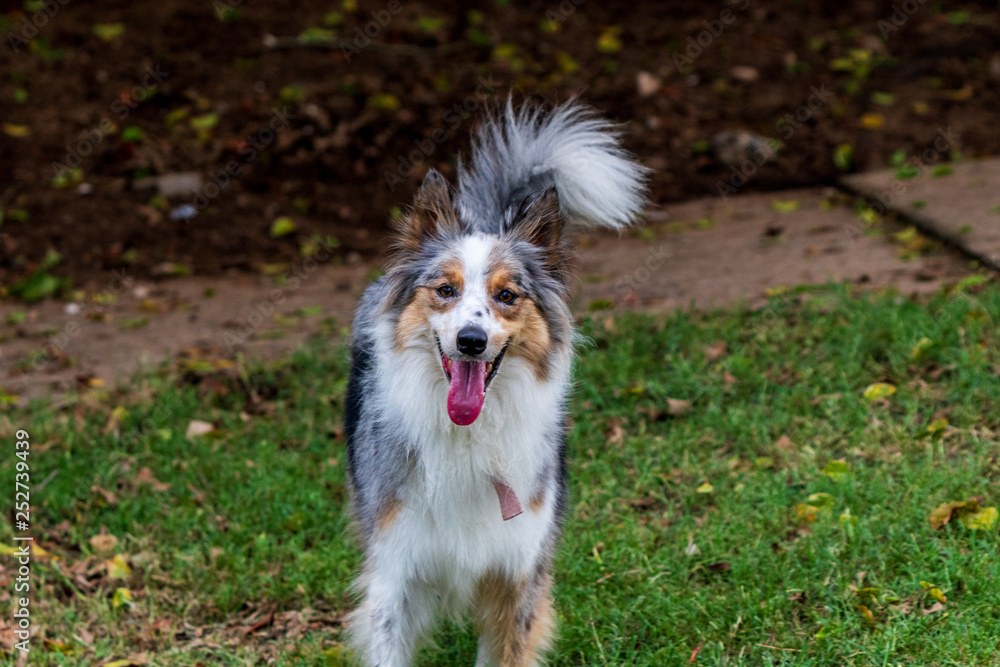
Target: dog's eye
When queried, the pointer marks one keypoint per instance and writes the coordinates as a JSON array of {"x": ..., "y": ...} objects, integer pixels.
[
  {"x": 446, "y": 291},
  {"x": 506, "y": 296}
]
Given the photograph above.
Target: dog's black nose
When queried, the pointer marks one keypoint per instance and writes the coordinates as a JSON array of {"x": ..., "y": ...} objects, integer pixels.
[{"x": 471, "y": 340}]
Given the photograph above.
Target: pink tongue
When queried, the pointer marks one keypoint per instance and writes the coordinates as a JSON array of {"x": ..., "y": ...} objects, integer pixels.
[{"x": 465, "y": 395}]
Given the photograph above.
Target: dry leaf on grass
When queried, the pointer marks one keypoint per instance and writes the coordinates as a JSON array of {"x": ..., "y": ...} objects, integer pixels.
[
  {"x": 971, "y": 515},
  {"x": 677, "y": 407},
  {"x": 145, "y": 476},
  {"x": 197, "y": 427},
  {"x": 716, "y": 350}
]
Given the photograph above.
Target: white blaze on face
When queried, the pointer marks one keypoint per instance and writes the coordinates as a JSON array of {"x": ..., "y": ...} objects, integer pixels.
[
  {"x": 473, "y": 302},
  {"x": 469, "y": 371}
]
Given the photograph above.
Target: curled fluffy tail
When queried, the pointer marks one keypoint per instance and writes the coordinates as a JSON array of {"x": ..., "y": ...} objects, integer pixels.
[{"x": 521, "y": 152}]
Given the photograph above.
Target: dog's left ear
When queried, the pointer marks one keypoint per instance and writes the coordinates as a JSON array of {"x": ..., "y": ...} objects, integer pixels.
[
  {"x": 539, "y": 222},
  {"x": 432, "y": 211}
]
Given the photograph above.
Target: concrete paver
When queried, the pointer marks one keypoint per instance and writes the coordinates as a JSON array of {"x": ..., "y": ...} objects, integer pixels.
[{"x": 959, "y": 202}]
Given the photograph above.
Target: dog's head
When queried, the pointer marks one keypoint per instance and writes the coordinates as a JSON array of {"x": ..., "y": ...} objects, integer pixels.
[{"x": 473, "y": 299}]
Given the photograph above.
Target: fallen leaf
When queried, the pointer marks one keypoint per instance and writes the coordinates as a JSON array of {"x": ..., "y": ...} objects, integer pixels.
[
  {"x": 122, "y": 597},
  {"x": 837, "y": 470},
  {"x": 874, "y": 392},
  {"x": 705, "y": 488},
  {"x": 103, "y": 542},
  {"x": 647, "y": 84},
  {"x": 937, "y": 426},
  {"x": 677, "y": 407},
  {"x": 108, "y": 496},
  {"x": 118, "y": 567},
  {"x": 36, "y": 551},
  {"x": 968, "y": 512},
  {"x": 934, "y": 608},
  {"x": 785, "y": 206},
  {"x": 691, "y": 549},
  {"x": 763, "y": 462},
  {"x": 806, "y": 512},
  {"x": 785, "y": 443},
  {"x": 84, "y": 636},
  {"x": 205, "y": 122},
  {"x": 384, "y": 102},
  {"x": 615, "y": 434},
  {"x": 729, "y": 381},
  {"x": 921, "y": 348},
  {"x": 118, "y": 414},
  {"x": 196, "y": 428},
  {"x": 821, "y": 500},
  {"x": 282, "y": 227},
  {"x": 868, "y": 595},
  {"x": 199, "y": 496},
  {"x": 872, "y": 121},
  {"x": 942, "y": 513},
  {"x": 609, "y": 41},
  {"x": 715, "y": 350},
  {"x": 16, "y": 131},
  {"x": 984, "y": 519},
  {"x": 867, "y": 614},
  {"x": 145, "y": 476},
  {"x": 108, "y": 31},
  {"x": 642, "y": 503},
  {"x": 52, "y": 645}
]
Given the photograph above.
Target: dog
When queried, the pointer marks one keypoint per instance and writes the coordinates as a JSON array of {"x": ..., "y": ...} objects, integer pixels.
[{"x": 461, "y": 367}]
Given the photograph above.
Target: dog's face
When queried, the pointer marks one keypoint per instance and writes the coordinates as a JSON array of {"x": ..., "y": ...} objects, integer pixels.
[{"x": 473, "y": 299}]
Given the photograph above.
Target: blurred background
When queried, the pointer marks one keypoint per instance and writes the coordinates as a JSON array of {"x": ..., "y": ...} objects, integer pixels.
[{"x": 325, "y": 115}]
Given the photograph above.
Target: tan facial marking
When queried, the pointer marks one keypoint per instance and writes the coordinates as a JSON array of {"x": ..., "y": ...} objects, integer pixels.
[
  {"x": 522, "y": 322},
  {"x": 451, "y": 274},
  {"x": 426, "y": 301}
]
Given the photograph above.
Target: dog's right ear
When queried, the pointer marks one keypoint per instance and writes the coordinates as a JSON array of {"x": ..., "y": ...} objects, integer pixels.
[{"x": 433, "y": 211}]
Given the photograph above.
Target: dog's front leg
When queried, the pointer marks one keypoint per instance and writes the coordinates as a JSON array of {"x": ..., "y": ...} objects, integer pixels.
[
  {"x": 514, "y": 619},
  {"x": 394, "y": 615}
]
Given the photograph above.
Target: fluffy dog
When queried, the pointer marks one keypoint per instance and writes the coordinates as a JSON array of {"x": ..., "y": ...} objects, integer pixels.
[{"x": 456, "y": 403}]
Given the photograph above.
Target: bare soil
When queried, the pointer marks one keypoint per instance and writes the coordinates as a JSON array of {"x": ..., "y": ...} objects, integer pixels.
[{"x": 335, "y": 138}]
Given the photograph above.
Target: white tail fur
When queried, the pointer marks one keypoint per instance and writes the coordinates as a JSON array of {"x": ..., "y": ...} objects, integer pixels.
[{"x": 520, "y": 152}]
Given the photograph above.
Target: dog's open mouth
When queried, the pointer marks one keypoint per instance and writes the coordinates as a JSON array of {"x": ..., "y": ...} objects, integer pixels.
[{"x": 467, "y": 383}]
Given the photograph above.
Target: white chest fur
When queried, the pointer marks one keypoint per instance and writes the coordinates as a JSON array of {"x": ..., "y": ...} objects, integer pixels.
[{"x": 449, "y": 530}]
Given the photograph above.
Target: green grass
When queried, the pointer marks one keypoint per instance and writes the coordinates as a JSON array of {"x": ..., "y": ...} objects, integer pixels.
[{"x": 650, "y": 569}]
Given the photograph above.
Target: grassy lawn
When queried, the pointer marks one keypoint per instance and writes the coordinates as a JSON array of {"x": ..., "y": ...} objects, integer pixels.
[{"x": 779, "y": 517}]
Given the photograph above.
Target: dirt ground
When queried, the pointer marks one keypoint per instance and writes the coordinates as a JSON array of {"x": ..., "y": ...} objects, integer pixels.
[{"x": 105, "y": 94}]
